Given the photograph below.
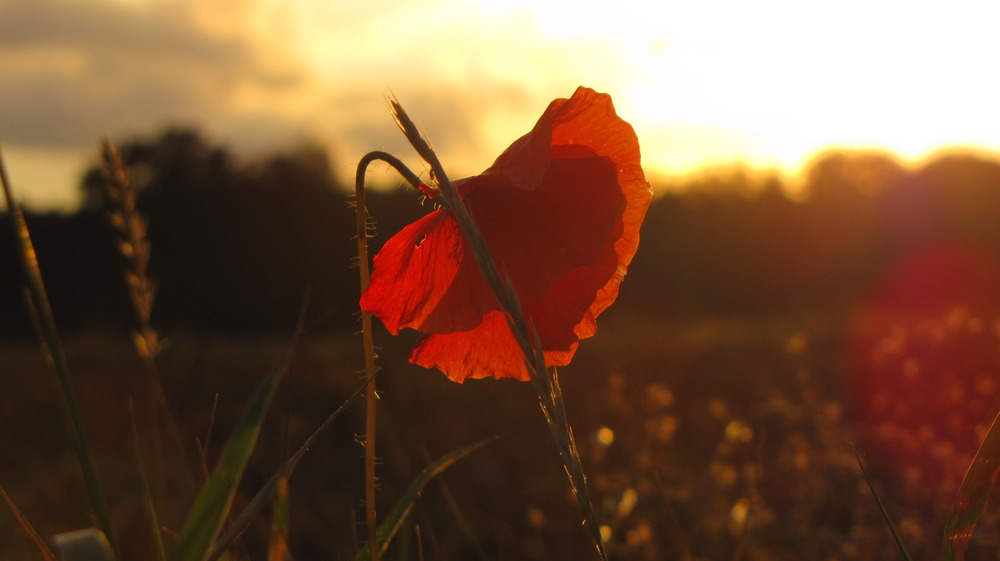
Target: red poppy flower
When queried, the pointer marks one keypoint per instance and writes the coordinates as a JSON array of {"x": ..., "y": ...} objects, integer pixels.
[{"x": 560, "y": 210}]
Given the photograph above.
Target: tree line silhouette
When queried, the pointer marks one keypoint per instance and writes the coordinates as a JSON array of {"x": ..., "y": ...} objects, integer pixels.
[{"x": 236, "y": 246}]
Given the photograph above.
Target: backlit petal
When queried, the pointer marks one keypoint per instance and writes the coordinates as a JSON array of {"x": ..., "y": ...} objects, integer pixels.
[
  {"x": 423, "y": 264},
  {"x": 560, "y": 210},
  {"x": 464, "y": 355}
]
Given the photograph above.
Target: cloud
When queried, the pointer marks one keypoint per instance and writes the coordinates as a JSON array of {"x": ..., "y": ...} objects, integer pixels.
[
  {"x": 74, "y": 71},
  {"x": 259, "y": 75},
  {"x": 468, "y": 126}
]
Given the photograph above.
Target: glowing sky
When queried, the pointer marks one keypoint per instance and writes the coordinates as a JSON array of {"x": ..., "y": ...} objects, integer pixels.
[{"x": 705, "y": 83}]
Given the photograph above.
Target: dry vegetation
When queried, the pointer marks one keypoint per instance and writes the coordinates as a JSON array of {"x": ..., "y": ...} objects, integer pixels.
[
  {"x": 701, "y": 439},
  {"x": 721, "y": 433}
]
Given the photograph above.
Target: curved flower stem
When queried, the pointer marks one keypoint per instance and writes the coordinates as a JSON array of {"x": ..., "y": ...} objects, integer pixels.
[
  {"x": 545, "y": 380},
  {"x": 396, "y": 163},
  {"x": 366, "y": 329}
]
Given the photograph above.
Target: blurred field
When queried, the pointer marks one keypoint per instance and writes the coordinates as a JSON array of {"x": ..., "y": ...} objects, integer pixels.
[
  {"x": 702, "y": 438},
  {"x": 756, "y": 338}
]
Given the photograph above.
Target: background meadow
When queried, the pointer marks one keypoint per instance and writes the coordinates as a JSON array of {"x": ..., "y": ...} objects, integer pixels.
[{"x": 757, "y": 336}]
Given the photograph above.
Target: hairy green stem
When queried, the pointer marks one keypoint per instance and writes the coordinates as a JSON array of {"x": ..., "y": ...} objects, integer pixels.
[{"x": 366, "y": 329}]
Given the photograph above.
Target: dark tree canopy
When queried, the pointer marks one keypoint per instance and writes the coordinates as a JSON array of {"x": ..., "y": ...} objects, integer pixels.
[{"x": 237, "y": 245}]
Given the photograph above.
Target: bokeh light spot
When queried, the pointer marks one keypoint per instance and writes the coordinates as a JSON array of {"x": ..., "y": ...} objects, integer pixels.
[
  {"x": 606, "y": 533},
  {"x": 627, "y": 503},
  {"x": 605, "y": 436},
  {"x": 536, "y": 517},
  {"x": 738, "y": 431},
  {"x": 738, "y": 514}
]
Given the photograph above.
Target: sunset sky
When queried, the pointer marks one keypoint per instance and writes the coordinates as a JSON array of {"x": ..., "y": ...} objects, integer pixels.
[{"x": 705, "y": 84}]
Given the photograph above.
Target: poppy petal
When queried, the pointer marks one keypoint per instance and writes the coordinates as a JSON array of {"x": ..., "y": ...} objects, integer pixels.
[
  {"x": 488, "y": 350},
  {"x": 554, "y": 241},
  {"x": 560, "y": 210},
  {"x": 423, "y": 264},
  {"x": 463, "y": 355}
]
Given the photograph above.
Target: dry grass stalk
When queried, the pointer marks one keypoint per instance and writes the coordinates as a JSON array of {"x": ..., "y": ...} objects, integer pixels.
[
  {"x": 136, "y": 249},
  {"x": 545, "y": 380},
  {"x": 133, "y": 245},
  {"x": 43, "y": 548}
]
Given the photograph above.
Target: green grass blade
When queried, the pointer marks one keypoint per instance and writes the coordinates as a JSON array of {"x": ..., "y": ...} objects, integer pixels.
[
  {"x": 211, "y": 507},
  {"x": 391, "y": 524},
  {"x": 278, "y": 547},
  {"x": 256, "y": 505},
  {"x": 463, "y": 524},
  {"x": 39, "y": 301},
  {"x": 972, "y": 495},
  {"x": 885, "y": 513},
  {"x": 147, "y": 493}
]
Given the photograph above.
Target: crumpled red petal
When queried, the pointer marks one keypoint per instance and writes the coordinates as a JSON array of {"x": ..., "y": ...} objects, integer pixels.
[
  {"x": 425, "y": 278},
  {"x": 560, "y": 210}
]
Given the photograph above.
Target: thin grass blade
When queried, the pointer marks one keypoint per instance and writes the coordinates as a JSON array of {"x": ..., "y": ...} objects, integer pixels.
[
  {"x": 885, "y": 513},
  {"x": 278, "y": 548},
  {"x": 213, "y": 502},
  {"x": 391, "y": 524},
  {"x": 147, "y": 493},
  {"x": 39, "y": 301},
  {"x": 463, "y": 524},
  {"x": 972, "y": 495},
  {"x": 262, "y": 497},
  {"x": 43, "y": 548},
  {"x": 562, "y": 432}
]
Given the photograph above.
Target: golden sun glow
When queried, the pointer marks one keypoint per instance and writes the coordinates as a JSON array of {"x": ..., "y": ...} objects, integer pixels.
[
  {"x": 705, "y": 84},
  {"x": 720, "y": 83},
  {"x": 742, "y": 89}
]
